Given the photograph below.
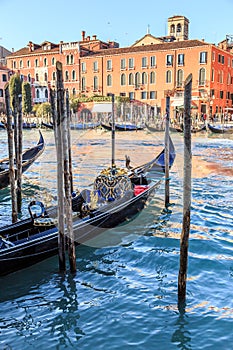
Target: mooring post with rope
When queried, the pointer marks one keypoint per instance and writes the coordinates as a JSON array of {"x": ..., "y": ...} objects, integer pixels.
[
  {"x": 167, "y": 179},
  {"x": 113, "y": 132},
  {"x": 184, "y": 240}
]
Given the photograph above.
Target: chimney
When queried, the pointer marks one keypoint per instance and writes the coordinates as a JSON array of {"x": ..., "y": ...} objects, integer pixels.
[
  {"x": 88, "y": 38},
  {"x": 60, "y": 46},
  {"x": 83, "y": 35},
  {"x": 94, "y": 37}
]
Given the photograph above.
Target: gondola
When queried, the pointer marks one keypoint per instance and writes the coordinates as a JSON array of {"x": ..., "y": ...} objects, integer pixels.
[
  {"x": 84, "y": 126},
  {"x": 128, "y": 127},
  {"x": 154, "y": 128},
  {"x": 106, "y": 126},
  {"x": 47, "y": 125},
  {"x": 180, "y": 129},
  {"x": 221, "y": 129},
  {"x": 28, "y": 158},
  {"x": 118, "y": 195}
]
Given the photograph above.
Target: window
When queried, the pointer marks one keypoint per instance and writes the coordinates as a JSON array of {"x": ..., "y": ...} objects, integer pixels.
[
  {"x": 152, "y": 61},
  {"x": 20, "y": 64},
  {"x": 131, "y": 63},
  {"x": 153, "y": 95},
  {"x": 109, "y": 64},
  {"x": 131, "y": 79},
  {"x": 29, "y": 78},
  {"x": 95, "y": 66},
  {"x": 123, "y": 79},
  {"x": 66, "y": 75},
  {"x": 203, "y": 57},
  {"x": 221, "y": 94},
  {"x": 144, "y": 62},
  {"x": 212, "y": 75},
  {"x": 109, "y": 80},
  {"x": 95, "y": 83},
  {"x": 178, "y": 29},
  {"x": 180, "y": 59},
  {"x": 83, "y": 67},
  {"x": 36, "y": 63},
  {"x": 1, "y": 92},
  {"x": 168, "y": 76},
  {"x": 54, "y": 75},
  {"x": 143, "y": 95},
  {"x": 74, "y": 92},
  {"x": 45, "y": 62},
  {"x": 228, "y": 79},
  {"x": 37, "y": 93},
  {"x": 71, "y": 59},
  {"x": 202, "y": 76},
  {"x": 28, "y": 63},
  {"x": 45, "y": 77},
  {"x": 131, "y": 95},
  {"x": 4, "y": 77},
  {"x": 46, "y": 93},
  {"x": 152, "y": 78},
  {"x": 172, "y": 29},
  {"x": 83, "y": 84},
  {"x": 144, "y": 78},
  {"x": 180, "y": 75},
  {"x": 67, "y": 59},
  {"x": 53, "y": 61},
  {"x": 37, "y": 77},
  {"x": 123, "y": 63},
  {"x": 137, "y": 80},
  {"x": 169, "y": 60},
  {"x": 73, "y": 75}
]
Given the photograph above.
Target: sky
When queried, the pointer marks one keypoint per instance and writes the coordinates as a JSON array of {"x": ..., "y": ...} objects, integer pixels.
[{"x": 123, "y": 21}]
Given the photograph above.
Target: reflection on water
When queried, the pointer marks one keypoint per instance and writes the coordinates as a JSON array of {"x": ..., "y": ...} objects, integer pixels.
[{"x": 124, "y": 294}]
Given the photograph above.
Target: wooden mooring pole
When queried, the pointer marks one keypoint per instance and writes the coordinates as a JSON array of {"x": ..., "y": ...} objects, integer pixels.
[{"x": 184, "y": 240}]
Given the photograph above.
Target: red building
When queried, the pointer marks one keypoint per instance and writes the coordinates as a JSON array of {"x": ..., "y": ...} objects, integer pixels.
[{"x": 146, "y": 71}]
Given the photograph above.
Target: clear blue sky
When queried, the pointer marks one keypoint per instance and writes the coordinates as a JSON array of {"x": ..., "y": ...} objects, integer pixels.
[{"x": 124, "y": 21}]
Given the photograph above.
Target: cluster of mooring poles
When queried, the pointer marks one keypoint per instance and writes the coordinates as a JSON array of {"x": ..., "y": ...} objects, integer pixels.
[
  {"x": 13, "y": 99},
  {"x": 59, "y": 99}
]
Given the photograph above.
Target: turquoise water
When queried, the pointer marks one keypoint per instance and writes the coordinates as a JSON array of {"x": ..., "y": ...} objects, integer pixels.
[{"x": 124, "y": 294}]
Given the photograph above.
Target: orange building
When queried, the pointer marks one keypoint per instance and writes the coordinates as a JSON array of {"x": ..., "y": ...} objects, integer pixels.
[{"x": 146, "y": 71}]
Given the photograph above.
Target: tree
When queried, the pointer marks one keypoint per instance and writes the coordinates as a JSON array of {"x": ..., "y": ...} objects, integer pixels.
[
  {"x": 26, "y": 98},
  {"x": 42, "y": 110}
]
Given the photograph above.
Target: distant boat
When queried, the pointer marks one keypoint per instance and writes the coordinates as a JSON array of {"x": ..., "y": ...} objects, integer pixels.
[
  {"x": 154, "y": 128},
  {"x": 122, "y": 127},
  {"x": 28, "y": 157},
  {"x": 83, "y": 126},
  {"x": 221, "y": 129}
]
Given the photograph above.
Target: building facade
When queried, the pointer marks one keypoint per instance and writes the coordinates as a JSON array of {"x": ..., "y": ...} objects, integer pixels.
[{"x": 147, "y": 71}]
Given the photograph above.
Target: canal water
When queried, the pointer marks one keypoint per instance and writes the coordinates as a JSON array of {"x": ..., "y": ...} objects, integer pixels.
[{"x": 124, "y": 295}]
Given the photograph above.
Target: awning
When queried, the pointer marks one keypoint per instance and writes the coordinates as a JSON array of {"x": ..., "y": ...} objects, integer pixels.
[
  {"x": 181, "y": 105},
  {"x": 102, "y": 108}
]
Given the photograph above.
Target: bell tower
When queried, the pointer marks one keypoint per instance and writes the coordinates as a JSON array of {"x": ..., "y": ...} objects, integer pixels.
[{"x": 178, "y": 26}]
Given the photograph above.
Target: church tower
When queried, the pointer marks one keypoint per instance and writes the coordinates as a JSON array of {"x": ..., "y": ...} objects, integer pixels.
[{"x": 178, "y": 26}]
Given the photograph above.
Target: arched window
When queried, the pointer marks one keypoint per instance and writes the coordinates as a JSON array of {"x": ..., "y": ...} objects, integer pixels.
[
  {"x": 83, "y": 84},
  {"x": 28, "y": 63},
  {"x": 202, "y": 76},
  {"x": 36, "y": 63},
  {"x": 45, "y": 62},
  {"x": 131, "y": 79},
  {"x": 95, "y": 83},
  {"x": 54, "y": 75},
  {"x": 178, "y": 28},
  {"x": 66, "y": 75},
  {"x": 67, "y": 59},
  {"x": 137, "y": 79},
  {"x": 180, "y": 75},
  {"x": 172, "y": 28},
  {"x": 168, "y": 76},
  {"x": 53, "y": 61},
  {"x": 144, "y": 78},
  {"x": 37, "y": 77},
  {"x": 123, "y": 79},
  {"x": 46, "y": 93},
  {"x": 109, "y": 80},
  {"x": 71, "y": 59},
  {"x": 45, "y": 77},
  {"x": 1, "y": 92},
  {"x": 73, "y": 75},
  {"x": 29, "y": 78},
  {"x": 20, "y": 64},
  {"x": 37, "y": 93},
  {"x": 152, "y": 78}
]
